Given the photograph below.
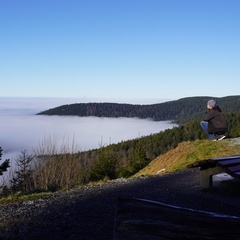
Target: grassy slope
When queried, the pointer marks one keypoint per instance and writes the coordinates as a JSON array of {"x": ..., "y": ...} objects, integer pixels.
[
  {"x": 175, "y": 159},
  {"x": 189, "y": 152}
]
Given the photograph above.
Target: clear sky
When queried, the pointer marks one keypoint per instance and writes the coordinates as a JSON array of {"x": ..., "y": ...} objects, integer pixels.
[{"x": 119, "y": 48}]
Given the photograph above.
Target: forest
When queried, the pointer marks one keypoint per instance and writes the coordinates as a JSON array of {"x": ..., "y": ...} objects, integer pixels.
[
  {"x": 181, "y": 111},
  {"x": 55, "y": 171}
]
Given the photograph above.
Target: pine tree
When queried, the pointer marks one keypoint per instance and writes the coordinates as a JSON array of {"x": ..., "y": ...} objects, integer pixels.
[
  {"x": 105, "y": 167},
  {"x": 23, "y": 175},
  {"x": 139, "y": 158},
  {"x": 5, "y": 165}
]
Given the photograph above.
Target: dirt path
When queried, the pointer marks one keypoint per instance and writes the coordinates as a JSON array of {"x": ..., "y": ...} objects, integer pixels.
[{"x": 88, "y": 213}]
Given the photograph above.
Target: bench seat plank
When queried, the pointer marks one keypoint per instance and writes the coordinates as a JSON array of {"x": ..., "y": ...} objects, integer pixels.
[
  {"x": 212, "y": 166},
  {"x": 225, "y": 158},
  {"x": 201, "y": 163},
  {"x": 212, "y": 162},
  {"x": 225, "y": 163},
  {"x": 234, "y": 168}
]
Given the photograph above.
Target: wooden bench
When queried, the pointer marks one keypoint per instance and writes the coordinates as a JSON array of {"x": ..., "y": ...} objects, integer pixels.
[
  {"x": 212, "y": 166},
  {"x": 143, "y": 219}
]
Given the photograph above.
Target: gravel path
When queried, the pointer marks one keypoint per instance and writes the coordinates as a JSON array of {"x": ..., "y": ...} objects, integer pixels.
[{"x": 88, "y": 213}]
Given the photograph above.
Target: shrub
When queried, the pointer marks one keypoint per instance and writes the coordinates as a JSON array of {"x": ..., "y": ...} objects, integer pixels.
[{"x": 105, "y": 167}]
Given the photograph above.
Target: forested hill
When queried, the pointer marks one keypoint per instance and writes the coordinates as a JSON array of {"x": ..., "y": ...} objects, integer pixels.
[{"x": 181, "y": 111}]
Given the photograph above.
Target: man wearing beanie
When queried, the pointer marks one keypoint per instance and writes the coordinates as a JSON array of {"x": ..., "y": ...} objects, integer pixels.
[{"x": 214, "y": 122}]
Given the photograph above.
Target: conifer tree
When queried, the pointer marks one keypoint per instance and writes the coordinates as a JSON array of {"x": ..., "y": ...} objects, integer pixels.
[
  {"x": 105, "y": 167},
  {"x": 5, "y": 165},
  {"x": 139, "y": 158},
  {"x": 23, "y": 175}
]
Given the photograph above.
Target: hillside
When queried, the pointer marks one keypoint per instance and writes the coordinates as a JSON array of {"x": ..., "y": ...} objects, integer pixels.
[
  {"x": 183, "y": 110},
  {"x": 74, "y": 213},
  {"x": 189, "y": 152}
]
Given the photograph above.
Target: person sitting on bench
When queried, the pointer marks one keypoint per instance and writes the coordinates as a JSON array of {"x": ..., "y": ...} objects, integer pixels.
[{"x": 214, "y": 122}]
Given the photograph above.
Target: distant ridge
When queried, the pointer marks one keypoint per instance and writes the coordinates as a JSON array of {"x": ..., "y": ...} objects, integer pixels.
[{"x": 181, "y": 111}]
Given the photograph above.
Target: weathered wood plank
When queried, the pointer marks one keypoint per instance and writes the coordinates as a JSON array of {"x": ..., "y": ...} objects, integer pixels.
[
  {"x": 234, "y": 169},
  {"x": 141, "y": 219},
  {"x": 202, "y": 163},
  {"x": 226, "y": 163},
  {"x": 210, "y": 167},
  {"x": 237, "y": 174},
  {"x": 211, "y": 162},
  {"x": 225, "y": 158}
]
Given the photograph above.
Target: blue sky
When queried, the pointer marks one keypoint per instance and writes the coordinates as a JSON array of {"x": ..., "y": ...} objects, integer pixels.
[{"x": 120, "y": 48}]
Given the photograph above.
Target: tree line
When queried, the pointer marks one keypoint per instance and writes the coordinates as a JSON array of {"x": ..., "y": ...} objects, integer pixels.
[
  {"x": 181, "y": 111},
  {"x": 48, "y": 170}
]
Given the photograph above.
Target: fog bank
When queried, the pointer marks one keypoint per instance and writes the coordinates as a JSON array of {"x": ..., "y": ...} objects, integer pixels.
[{"x": 22, "y": 129}]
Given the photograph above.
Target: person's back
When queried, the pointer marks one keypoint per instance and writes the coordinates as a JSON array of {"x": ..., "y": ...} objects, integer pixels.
[{"x": 214, "y": 121}]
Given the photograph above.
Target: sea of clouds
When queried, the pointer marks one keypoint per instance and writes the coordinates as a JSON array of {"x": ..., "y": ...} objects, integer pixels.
[{"x": 21, "y": 129}]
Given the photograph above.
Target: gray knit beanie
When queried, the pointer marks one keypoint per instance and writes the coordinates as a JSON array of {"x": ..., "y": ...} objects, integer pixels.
[{"x": 211, "y": 103}]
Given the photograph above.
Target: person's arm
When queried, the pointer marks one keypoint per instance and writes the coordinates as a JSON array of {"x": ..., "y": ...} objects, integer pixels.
[{"x": 209, "y": 115}]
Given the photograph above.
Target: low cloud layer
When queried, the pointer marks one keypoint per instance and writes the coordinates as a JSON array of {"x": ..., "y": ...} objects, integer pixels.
[{"x": 21, "y": 129}]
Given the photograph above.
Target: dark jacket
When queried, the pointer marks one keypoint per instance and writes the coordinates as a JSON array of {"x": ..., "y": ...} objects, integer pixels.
[{"x": 216, "y": 121}]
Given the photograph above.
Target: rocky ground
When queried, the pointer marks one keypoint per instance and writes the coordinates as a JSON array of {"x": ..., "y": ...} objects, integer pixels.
[{"x": 88, "y": 213}]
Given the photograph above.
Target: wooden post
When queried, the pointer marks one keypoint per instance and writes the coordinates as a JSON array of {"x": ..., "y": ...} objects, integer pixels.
[{"x": 207, "y": 174}]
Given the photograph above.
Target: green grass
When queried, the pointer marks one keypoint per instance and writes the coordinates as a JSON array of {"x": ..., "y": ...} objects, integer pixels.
[
  {"x": 189, "y": 152},
  {"x": 18, "y": 198}
]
